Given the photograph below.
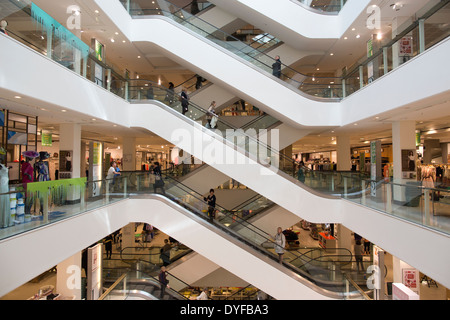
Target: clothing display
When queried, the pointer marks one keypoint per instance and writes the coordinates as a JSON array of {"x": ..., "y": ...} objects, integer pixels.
[
  {"x": 427, "y": 176},
  {"x": 5, "y": 218}
]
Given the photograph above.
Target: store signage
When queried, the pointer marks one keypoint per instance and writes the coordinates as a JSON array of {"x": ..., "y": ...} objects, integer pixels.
[
  {"x": 94, "y": 272},
  {"x": 410, "y": 278},
  {"x": 418, "y": 138},
  {"x": 98, "y": 50},
  {"x": 46, "y": 139},
  {"x": 378, "y": 277},
  {"x": 95, "y": 167},
  {"x": 370, "y": 48},
  {"x": 406, "y": 46}
]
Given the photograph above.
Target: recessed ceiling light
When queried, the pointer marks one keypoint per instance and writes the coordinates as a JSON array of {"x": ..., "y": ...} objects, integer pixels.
[
  {"x": 345, "y": 38},
  {"x": 93, "y": 119},
  {"x": 358, "y": 36},
  {"x": 112, "y": 40},
  {"x": 331, "y": 54},
  {"x": 117, "y": 33},
  {"x": 96, "y": 11},
  {"x": 139, "y": 57},
  {"x": 353, "y": 29},
  {"x": 63, "y": 110},
  {"x": 18, "y": 97},
  {"x": 123, "y": 41}
]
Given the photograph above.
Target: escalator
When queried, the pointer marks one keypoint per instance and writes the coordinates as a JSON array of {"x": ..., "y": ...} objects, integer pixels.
[
  {"x": 254, "y": 52},
  {"x": 312, "y": 264},
  {"x": 248, "y": 62}
]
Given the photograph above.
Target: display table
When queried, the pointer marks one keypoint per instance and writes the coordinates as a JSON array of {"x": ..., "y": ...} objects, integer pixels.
[{"x": 327, "y": 241}]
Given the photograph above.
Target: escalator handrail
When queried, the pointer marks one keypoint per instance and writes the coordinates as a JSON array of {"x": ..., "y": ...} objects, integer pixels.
[{"x": 246, "y": 45}]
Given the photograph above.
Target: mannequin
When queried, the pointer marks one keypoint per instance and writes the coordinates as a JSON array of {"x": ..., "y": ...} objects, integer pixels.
[
  {"x": 42, "y": 167},
  {"x": 5, "y": 218},
  {"x": 28, "y": 175},
  {"x": 3, "y": 25}
]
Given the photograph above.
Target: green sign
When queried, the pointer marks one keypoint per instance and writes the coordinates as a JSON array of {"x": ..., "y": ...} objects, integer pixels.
[
  {"x": 369, "y": 48},
  {"x": 46, "y": 139},
  {"x": 418, "y": 137}
]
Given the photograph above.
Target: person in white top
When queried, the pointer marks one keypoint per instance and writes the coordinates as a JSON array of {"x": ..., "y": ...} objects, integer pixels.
[
  {"x": 112, "y": 172},
  {"x": 203, "y": 295}
]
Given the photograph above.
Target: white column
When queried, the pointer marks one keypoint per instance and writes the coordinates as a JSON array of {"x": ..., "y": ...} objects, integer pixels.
[
  {"x": 68, "y": 277},
  {"x": 70, "y": 140},
  {"x": 343, "y": 153},
  {"x": 128, "y": 236},
  {"x": 344, "y": 237},
  {"x": 129, "y": 154},
  {"x": 403, "y": 138}
]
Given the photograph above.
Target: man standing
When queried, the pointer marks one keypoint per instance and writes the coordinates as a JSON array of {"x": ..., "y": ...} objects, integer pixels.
[
  {"x": 163, "y": 281},
  {"x": 276, "y": 67},
  {"x": 184, "y": 101}
]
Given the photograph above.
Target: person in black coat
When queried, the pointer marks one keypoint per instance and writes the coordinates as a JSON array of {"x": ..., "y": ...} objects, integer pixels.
[
  {"x": 211, "y": 200},
  {"x": 276, "y": 67},
  {"x": 184, "y": 101}
]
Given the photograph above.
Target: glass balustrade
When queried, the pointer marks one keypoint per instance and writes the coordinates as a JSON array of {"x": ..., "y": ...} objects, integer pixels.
[
  {"x": 324, "y": 6},
  {"x": 252, "y": 52}
]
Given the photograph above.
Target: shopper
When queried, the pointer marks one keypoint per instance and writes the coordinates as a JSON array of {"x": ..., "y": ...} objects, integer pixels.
[
  {"x": 203, "y": 295},
  {"x": 210, "y": 114},
  {"x": 108, "y": 246},
  {"x": 301, "y": 172},
  {"x": 280, "y": 244},
  {"x": 159, "y": 181},
  {"x": 112, "y": 173},
  {"x": 165, "y": 253},
  {"x": 211, "y": 200},
  {"x": 276, "y": 67},
  {"x": 366, "y": 246},
  {"x": 163, "y": 281},
  {"x": 199, "y": 82},
  {"x": 194, "y": 7},
  {"x": 3, "y": 25},
  {"x": 359, "y": 255},
  {"x": 184, "y": 101}
]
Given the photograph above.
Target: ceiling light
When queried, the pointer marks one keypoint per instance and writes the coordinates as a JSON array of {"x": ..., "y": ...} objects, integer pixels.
[
  {"x": 96, "y": 11},
  {"x": 358, "y": 36},
  {"x": 379, "y": 36},
  {"x": 112, "y": 40},
  {"x": 353, "y": 29},
  {"x": 93, "y": 119},
  {"x": 345, "y": 38},
  {"x": 63, "y": 110},
  {"x": 117, "y": 33},
  {"x": 331, "y": 54},
  {"x": 123, "y": 41},
  {"x": 139, "y": 57},
  {"x": 18, "y": 97}
]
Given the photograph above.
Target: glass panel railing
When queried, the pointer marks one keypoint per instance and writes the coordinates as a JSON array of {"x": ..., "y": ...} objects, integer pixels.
[
  {"x": 411, "y": 201},
  {"x": 47, "y": 202},
  {"x": 252, "y": 53},
  {"x": 308, "y": 266},
  {"x": 429, "y": 29},
  {"x": 328, "y": 6},
  {"x": 118, "y": 290}
]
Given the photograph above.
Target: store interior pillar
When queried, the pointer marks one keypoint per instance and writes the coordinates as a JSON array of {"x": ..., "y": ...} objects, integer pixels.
[
  {"x": 344, "y": 162},
  {"x": 68, "y": 277}
]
